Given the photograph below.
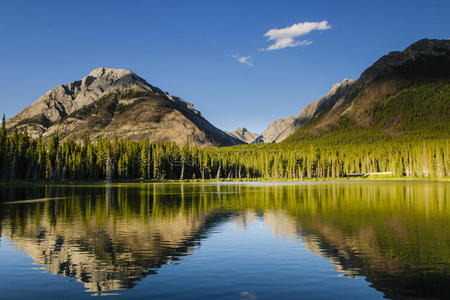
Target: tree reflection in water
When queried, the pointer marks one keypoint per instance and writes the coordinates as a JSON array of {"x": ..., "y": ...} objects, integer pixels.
[{"x": 396, "y": 235}]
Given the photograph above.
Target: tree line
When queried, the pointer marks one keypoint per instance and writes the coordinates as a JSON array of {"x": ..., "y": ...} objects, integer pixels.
[{"x": 25, "y": 158}]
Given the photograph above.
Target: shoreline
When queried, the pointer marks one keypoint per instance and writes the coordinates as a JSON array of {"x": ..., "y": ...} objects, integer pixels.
[{"x": 224, "y": 180}]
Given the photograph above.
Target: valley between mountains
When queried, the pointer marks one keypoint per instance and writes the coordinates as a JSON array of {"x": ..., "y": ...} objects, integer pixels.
[{"x": 112, "y": 123}]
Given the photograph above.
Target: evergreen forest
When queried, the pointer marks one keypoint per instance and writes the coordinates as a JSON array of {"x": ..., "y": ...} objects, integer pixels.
[{"x": 419, "y": 147}]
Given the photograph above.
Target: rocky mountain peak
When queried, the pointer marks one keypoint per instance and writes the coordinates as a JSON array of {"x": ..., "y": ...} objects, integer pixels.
[
  {"x": 275, "y": 129},
  {"x": 311, "y": 110},
  {"x": 105, "y": 78},
  {"x": 337, "y": 87},
  {"x": 336, "y": 92},
  {"x": 109, "y": 72},
  {"x": 244, "y": 135},
  {"x": 241, "y": 129},
  {"x": 116, "y": 102},
  {"x": 422, "y": 61},
  {"x": 422, "y": 58},
  {"x": 428, "y": 47},
  {"x": 65, "y": 99}
]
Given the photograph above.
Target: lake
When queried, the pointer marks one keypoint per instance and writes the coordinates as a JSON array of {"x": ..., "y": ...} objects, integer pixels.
[{"x": 308, "y": 240}]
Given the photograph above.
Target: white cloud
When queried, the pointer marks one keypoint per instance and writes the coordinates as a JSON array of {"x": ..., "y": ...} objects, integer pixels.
[
  {"x": 243, "y": 59},
  {"x": 285, "y": 37}
]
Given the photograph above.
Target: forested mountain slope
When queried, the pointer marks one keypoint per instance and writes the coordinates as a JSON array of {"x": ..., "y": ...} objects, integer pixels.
[
  {"x": 395, "y": 118},
  {"x": 419, "y": 112},
  {"x": 423, "y": 68}
]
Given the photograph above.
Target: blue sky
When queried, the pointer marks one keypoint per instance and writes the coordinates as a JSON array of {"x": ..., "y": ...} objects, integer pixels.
[{"x": 192, "y": 48}]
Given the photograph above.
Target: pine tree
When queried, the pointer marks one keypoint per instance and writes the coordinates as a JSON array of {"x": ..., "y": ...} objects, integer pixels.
[{"x": 3, "y": 150}]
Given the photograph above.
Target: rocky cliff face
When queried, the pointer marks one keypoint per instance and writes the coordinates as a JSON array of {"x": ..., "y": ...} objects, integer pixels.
[
  {"x": 65, "y": 99},
  {"x": 275, "y": 129},
  {"x": 115, "y": 102},
  {"x": 424, "y": 61},
  {"x": 334, "y": 94},
  {"x": 244, "y": 135},
  {"x": 316, "y": 107}
]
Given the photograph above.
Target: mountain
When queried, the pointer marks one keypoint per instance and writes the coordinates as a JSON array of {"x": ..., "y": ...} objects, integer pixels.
[
  {"x": 314, "y": 108},
  {"x": 244, "y": 135},
  {"x": 116, "y": 102},
  {"x": 275, "y": 129},
  {"x": 402, "y": 92},
  {"x": 426, "y": 62}
]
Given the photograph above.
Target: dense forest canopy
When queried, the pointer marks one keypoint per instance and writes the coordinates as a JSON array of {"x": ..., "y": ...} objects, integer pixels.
[
  {"x": 22, "y": 157},
  {"x": 409, "y": 136}
]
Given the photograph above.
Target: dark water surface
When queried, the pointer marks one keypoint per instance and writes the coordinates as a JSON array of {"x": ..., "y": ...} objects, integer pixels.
[{"x": 336, "y": 240}]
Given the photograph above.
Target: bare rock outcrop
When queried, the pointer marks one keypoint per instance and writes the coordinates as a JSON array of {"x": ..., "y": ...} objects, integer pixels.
[
  {"x": 313, "y": 109},
  {"x": 275, "y": 129},
  {"x": 424, "y": 61},
  {"x": 110, "y": 103},
  {"x": 244, "y": 135}
]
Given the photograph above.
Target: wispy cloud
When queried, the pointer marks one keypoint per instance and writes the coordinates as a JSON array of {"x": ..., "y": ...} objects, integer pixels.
[
  {"x": 243, "y": 59},
  {"x": 285, "y": 37}
]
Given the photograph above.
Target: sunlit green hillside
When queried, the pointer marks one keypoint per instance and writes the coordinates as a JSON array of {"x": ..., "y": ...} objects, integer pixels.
[
  {"x": 413, "y": 114},
  {"x": 409, "y": 136}
]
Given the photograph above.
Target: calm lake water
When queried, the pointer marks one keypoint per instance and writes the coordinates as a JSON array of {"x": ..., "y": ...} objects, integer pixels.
[{"x": 333, "y": 240}]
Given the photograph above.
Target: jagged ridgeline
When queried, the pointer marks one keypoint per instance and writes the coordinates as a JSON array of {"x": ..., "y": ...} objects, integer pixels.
[
  {"x": 111, "y": 103},
  {"x": 395, "y": 118},
  {"x": 403, "y": 93}
]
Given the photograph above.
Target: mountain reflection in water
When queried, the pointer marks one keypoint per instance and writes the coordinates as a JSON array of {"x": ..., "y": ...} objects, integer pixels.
[{"x": 396, "y": 235}]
